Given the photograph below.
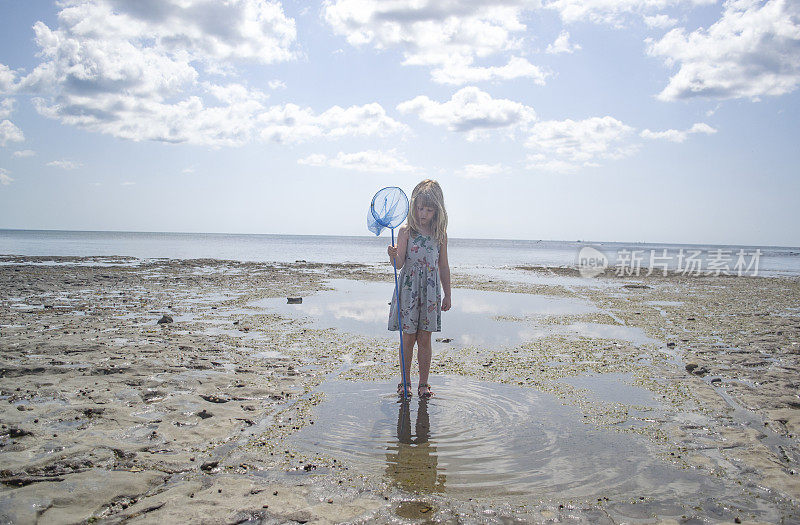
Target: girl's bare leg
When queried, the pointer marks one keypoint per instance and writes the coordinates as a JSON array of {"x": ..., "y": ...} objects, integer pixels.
[
  {"x": 424, "y": 352},
  {"x": 408, "y": 353}
]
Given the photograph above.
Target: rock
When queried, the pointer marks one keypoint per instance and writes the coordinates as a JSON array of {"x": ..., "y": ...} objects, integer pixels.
[
  {"x": 633, "y": 286},
  {"x": 14, "y": 432},
  {"x": 443, "y": 340},
  {"x": 716, "y": 381},
  {"x": 670, "y": 345},
  {"x": 691, "y": 366},
  {"x": 701, "y": 371},
  {"x": 209, "y": 465},
  {"x": 294, "y": 300},
  {"x": 204, "y": 414},
  {"x": 214, "y": 399},
  {"x": 91, "y": 412},
  {"x": 165, "y": 319}
]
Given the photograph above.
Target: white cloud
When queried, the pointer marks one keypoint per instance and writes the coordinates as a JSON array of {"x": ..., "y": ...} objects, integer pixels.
[
  {"x": 751, "y": 51},
  {"x": 562, "y": 44},
  {"x": 374, "y": 161},
  {"x": 463, "y": 73},
  {"x": 10, "y": 133},
  {"x": 24, "y": 153},
  {"x": 659, "y": 21},
  {"x": 614, "y": 12},
  {"x": 439, "y": 34},
  {"x": 291, "y": 123},
  {"x": 481, "y": 171},
  {"x": 566, "y": 145},
  {"x": 5, "y": 179},
  {"x": 6, "y": 108},
  {"x": 207, "y": 30},
  {"x": 276, "y": 84},
  {"x": 127, "y": 183},
  {"x": 65, "y": 164},
  {"x": 140, "y": 70},
  {"x": 135, "y": 70},
  {"x": 133, "y": 118},
  {"x": 232, "y": 94},
  {"x": 470, "y": 110},
  {"x": 7, "y": 79},
  {"x": 674, "y": 135}
]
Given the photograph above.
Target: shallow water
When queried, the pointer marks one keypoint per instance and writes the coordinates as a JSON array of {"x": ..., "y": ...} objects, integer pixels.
[
  {"x": 614, "y": 388},
  {"x": 538, "y": 277},
  {"x": 632, "y": 334},
  {"x": 477, "y": 317},
  {"x": 485, "y": 439}
]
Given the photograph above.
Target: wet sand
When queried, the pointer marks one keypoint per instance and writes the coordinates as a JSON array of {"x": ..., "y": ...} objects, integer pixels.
[{"x": 640, "y": 399}]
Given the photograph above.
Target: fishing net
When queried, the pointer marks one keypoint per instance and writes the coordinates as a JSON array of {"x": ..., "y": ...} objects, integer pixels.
[{"x": 389, "y": 209}]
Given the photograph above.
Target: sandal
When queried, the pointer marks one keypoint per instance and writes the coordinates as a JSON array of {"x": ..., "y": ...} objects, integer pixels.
[
  {"x": 400, "y": 390},
  {"x": 426, "y": 395}
]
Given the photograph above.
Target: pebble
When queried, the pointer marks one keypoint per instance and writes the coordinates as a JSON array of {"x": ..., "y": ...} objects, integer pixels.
[{"x": 209, "y": 465}]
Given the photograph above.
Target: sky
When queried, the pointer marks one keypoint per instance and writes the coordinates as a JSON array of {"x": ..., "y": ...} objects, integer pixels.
[{"x": 671, "y": 121}]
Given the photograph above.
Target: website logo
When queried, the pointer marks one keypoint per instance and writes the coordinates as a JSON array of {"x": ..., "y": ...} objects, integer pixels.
[{"x": 591, "y": 262}]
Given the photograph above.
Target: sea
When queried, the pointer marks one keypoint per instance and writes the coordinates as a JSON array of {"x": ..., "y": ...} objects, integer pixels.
[{"x": 462, "y": 253}]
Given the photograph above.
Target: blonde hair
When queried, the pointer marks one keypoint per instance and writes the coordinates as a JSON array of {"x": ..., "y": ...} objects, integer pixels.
[{"x": 429, "y": 193}]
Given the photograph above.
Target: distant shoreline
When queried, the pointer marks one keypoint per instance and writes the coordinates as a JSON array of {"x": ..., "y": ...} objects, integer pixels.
[{"x": 487, "y": 239}]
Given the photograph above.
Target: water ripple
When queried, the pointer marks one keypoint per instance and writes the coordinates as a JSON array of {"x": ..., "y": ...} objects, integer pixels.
[{"x": 476, "y": 437}]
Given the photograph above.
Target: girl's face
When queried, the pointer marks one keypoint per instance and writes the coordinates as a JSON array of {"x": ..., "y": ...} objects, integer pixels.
[{"x": 425, "y": 214}]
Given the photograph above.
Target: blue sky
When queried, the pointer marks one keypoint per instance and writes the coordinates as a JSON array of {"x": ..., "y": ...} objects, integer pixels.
[{"x": 634, "y": 120}]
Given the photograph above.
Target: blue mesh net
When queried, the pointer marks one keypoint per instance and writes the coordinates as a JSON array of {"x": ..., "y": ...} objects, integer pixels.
[{"x": 389, "y": 209}]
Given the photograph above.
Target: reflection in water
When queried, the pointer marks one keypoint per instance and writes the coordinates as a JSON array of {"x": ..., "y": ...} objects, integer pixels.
[
  {"x": 501, "y": 440},
  {"x": 489, "y": 439},
  {"x": 412, "y": 462},
  {"x": 477, "y": 317}
]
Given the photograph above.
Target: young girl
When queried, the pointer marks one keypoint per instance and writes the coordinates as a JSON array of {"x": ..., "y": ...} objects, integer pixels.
[{"x": 421, "y": 256}]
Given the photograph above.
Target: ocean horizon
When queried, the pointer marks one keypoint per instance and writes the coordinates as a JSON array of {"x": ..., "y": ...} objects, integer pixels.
[{"x": 366, "y": 249}]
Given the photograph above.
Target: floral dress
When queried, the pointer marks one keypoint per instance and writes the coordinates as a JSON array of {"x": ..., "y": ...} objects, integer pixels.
[{"x": 420, "y": 290}]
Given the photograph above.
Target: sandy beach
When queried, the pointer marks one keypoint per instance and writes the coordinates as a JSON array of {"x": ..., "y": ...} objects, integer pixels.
[{"x": 644, "y": 399}]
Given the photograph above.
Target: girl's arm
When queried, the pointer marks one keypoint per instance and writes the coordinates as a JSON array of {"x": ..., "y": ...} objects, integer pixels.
[
  {"x": 444, "y": 275},
  {"x": 398, "y": 253}
]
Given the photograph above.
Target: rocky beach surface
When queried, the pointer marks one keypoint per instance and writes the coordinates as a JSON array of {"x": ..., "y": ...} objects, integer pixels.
[{"x": 178, "y": 391}]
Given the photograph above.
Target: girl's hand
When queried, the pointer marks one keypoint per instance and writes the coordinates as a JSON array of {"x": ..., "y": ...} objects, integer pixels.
[
  {"x": 392, "y": 251},
  {"x": 446, "y": 303}
]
